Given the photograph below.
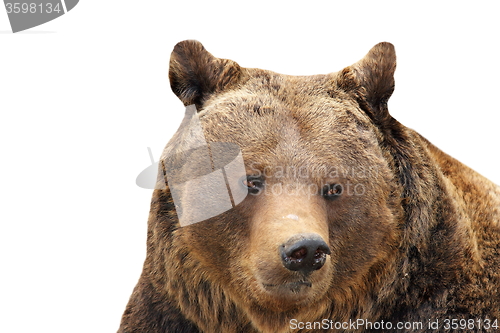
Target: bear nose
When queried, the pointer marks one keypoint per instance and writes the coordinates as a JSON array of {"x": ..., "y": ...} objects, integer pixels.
[{"x": 304, "y": 253}]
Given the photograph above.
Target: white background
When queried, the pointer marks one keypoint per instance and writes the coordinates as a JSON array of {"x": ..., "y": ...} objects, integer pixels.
[{"x": 83, "y": 96}]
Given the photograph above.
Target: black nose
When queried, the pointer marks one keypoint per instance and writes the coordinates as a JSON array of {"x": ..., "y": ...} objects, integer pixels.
[{"x": 304, "y": 253}]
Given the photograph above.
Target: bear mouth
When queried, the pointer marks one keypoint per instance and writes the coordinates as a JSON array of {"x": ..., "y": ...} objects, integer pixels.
[{"x": 294, "y": 287}]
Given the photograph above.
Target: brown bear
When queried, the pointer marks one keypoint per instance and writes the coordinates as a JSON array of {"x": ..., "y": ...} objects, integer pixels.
[{"x": 351, "y": 221}]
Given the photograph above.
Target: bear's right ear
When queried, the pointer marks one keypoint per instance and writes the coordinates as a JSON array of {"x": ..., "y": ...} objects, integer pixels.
[{"x": 195, "y": 74}]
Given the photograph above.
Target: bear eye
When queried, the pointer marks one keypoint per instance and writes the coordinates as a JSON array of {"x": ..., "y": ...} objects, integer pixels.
[
  {"x": 332, "y": 191},
  {"x": 253, "y": 184}
]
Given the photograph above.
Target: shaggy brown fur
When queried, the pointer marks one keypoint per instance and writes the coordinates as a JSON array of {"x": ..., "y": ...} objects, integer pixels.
[{"x": 414, "y": 236}]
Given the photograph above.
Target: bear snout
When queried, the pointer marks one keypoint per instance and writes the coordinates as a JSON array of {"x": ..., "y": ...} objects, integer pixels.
[{"x": 304, "y": 253}]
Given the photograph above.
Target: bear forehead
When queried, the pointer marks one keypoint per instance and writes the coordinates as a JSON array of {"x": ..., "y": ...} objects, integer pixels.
[
  {"x": 288, "y": 119},
  {"x": 266, "y": 96},
  {"x": 263, "y": 87}
]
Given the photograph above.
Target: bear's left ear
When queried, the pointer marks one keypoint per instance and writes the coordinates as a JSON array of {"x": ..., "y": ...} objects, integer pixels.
[
  {"x": 195, "y": 74},
  {"x": 371, "y": 81}
]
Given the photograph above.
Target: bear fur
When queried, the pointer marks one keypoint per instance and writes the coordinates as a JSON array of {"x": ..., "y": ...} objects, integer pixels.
[{"x": 417, "y": 240}]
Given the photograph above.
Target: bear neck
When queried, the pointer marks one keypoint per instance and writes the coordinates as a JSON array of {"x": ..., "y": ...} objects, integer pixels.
[{"x": 445, "y": 218}]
